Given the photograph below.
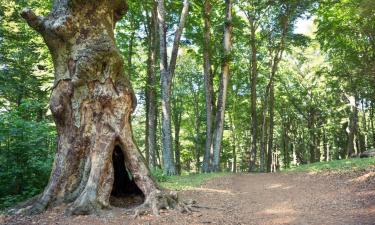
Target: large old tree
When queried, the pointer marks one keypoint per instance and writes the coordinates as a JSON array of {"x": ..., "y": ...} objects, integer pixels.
[{"x": 91, "y": 102}]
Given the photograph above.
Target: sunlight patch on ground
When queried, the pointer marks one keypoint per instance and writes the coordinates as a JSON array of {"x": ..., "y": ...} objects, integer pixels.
[
  {"x": 363, "y": 177},
  {"x": 273, "y": 186},
  {"x": 212, "y": 190}
]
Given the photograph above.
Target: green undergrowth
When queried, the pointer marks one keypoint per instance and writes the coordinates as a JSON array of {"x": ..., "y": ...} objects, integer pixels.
[
  {"x": 344, "y": 165},
  {"x": 186, "y": 181}
]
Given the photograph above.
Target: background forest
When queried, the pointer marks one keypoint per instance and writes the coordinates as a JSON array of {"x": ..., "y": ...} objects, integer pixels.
[{"x": 301, "y": 87}]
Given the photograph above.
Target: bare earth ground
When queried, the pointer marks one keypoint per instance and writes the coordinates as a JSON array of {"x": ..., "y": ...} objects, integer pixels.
[{"x": 282, "y": 198}]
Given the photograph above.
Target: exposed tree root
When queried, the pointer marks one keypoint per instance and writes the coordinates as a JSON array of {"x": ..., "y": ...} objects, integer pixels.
[{"x": 158, "y": 200}]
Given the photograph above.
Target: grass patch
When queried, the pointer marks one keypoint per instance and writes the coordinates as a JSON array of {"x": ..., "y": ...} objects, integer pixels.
[
  {"x": 344, "y": 165},
  {"x": 188, "y": 181}
]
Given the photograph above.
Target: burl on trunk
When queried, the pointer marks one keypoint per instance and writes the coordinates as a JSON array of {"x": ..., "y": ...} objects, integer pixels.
[{"x": 91, "y": 102}]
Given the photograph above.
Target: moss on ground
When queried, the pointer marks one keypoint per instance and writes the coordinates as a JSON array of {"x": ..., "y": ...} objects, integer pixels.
[{"x": 188, "y": 181}]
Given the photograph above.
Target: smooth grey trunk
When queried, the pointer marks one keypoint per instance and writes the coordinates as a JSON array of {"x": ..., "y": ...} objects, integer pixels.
[
  {"x": 208, "y": 84},
  {"x": 224, "y": 79},
  {"x": 166, "y": 74}
]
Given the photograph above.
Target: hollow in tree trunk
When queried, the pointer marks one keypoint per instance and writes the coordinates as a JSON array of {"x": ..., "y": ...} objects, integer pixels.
[{"x": 91, "y": 102}]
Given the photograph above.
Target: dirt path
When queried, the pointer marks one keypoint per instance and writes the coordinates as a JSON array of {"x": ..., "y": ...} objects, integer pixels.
[{"x": 293, "y": 198}]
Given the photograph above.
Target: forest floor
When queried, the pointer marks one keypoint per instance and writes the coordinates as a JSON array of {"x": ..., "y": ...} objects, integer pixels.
[{"x": 281, "y": 198}]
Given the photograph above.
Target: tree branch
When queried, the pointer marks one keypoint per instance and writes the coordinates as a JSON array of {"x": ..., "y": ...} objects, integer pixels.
[
  {"x": 177, "y": 38},
  {"x": 34, "y": 21}
]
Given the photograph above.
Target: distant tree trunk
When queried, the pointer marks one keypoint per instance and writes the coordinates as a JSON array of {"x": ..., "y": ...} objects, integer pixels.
[
  {"x": 166, "y": 74},
  {"x": 311, "y": 127},
  {"x": 326, "y": 146},
  {"x": 130, "y": 51},
  {"x": 234, "y": 142},
  {"x": 224, "y": 79},
  {"x": 364, "y": 125},
  {"x": 177, "y": 125},
  {"x": 253, "y": 81},
  {"x": 352, "y": 125},
  {"x": 208, "y": 83},
  {"x": 197, "y": 125},
  {"x": 372, "y": 123},
  {"x": 286, "y": 144},
  {"x": 318, "y": 147},
  {"x": 263, "y": 136},
  {"x": 151, "y": 99},
  {"x": 91, "y": 102}
]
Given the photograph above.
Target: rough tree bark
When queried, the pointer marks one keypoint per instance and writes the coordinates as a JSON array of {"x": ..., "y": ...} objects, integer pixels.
[
  {"x": 91, "y": 102},
  {"x": 208, "y": 84},
  {"x": 166, "y": 74},
  {"x": 151, "y": 110},
  {"x": 224, "y": 79}
]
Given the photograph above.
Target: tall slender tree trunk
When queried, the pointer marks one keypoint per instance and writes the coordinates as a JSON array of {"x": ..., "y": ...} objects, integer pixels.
[
  {"x": 274, "y": 67},
  {"x": 151, "y": 98},
  {"x": 264, "y": 132},
  {"x": 91, "y": 102},
  {"x": 166, "y": 74},
  {"x": 271, "y": 124},
  {"x": 208, "y": 83},
  {"x": 253, "y": 79},
  {"x": 224, "y": 79}
]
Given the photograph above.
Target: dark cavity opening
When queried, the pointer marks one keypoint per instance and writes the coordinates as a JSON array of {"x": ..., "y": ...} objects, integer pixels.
[{"x": 125, "y": 192}]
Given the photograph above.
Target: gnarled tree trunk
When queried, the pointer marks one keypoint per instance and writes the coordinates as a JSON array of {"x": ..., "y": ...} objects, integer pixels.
[{"x": 91, "y": 102}]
